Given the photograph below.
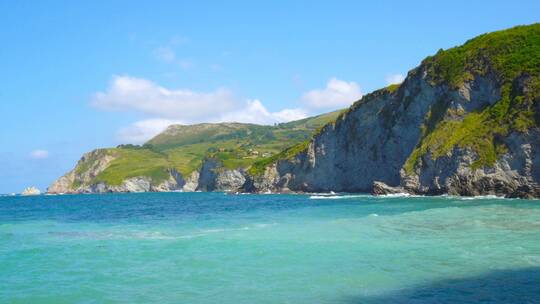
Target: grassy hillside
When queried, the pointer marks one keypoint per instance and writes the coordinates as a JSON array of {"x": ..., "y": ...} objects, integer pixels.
[{"x": 184, "y": 147}]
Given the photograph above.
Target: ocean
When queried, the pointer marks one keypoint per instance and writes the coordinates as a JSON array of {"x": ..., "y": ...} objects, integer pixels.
[{"x": 218, "y": 248}]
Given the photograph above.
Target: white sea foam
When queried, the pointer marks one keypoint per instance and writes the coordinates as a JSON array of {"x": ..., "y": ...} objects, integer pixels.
[
  {"x": 337, "y": 196},
  {"x": 254, "y": 226},
  {"x": 264, "y": 225},
  {"x": 214, "y": 230},
  {"x": 399, "y": 195},
  {"x": 150, "y": 235},
  {"x": 324, "y": 197},
  {"x": 8, "y": 194},
  {"x": 481, "y": 197},
  {"x": 116, "y": 235}
]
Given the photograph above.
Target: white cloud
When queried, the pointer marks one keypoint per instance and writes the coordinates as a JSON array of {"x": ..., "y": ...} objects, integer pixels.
[
  {"x": 184, "y": 64},
  {"x": 337, "y": 94},
  {"x": 162, "y": 106},
  {"x": 255, "y": 112},
  {"x": 141, "y": 131},
  {"x": 216, "y": 67},
  {"x": 140, "y": 95},
  {"x": 165, "y": 54},
  {"x": 178, "y": 40},
  {"x": 39, "y": 154},
  {"x": 168, "y": 55},
  {"x": 394, "y": 79},
  {"x": 290, "y": 115}
]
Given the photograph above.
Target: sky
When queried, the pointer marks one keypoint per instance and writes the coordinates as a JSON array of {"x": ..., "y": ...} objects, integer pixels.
[{"x": 78, "y": 75}]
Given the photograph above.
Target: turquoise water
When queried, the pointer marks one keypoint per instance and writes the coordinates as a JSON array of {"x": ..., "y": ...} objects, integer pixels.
[{"x": 217, "y": 248}]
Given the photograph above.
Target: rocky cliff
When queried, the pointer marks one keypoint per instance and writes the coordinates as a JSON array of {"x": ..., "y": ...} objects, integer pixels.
[
  {"x": 85, "y": 178},
  {"x": 464, "y": 122},
  {"x": 215, "y": 177}
]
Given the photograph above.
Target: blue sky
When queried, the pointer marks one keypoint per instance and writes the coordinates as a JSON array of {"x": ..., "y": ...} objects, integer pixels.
[{"x": 76, "y": 76}]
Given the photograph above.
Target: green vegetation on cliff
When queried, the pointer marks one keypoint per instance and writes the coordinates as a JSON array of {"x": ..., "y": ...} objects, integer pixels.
[
  {"x": 511, "y": 56},
  {"x": 508, "y": 53},
  {"x": 258, "y": 167},
  {"x": 130, "y": 162}
]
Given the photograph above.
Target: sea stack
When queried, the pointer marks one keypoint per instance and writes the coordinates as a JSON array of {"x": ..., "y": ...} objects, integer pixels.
[{"x": 31, "y": 191}]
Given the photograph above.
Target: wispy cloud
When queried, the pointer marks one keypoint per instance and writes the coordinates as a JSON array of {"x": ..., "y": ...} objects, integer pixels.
[
  {"x": 216, "y": 67},
  {"x": 178, "y": 40},
  {"x": 184, "y": 64},
  {"x": 337, "y": 94},
  {"x": 165, "y": 54},
  {"x": 253, "y": 111},
  {"x": 163, "y": 106},
  {"x": 39, "y": 154},
  {"x": 127, "y": 93},
  {"x": 141, "y": 131}
]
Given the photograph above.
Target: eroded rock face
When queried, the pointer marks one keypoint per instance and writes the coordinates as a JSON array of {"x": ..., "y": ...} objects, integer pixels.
[
  {"x": 62, "y": 184},
  {"x": 94, "y": 163},
  {"x": 80, "y": 179},
  {"x": 380, "y": 188},
  {"x": 515, "y": 174},
  {"x": 215, "y": 177},
  {"x": 191, "y": 182},
  {"x": 135, "y": 184},
  {"x": 269, "y": 181}
]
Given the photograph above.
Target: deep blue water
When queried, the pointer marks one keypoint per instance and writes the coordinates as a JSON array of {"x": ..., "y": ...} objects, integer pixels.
[{"x": 217, "y": 248}]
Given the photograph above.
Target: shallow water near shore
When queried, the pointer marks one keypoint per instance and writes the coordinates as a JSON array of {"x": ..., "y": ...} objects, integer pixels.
[{"x": 217, "y": 248}]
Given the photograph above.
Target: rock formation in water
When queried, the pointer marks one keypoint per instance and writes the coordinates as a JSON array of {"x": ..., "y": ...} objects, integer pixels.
[{"x": 31, "y": 191}]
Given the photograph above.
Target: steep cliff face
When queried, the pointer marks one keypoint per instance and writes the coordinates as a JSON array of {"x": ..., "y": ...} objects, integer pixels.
[
  {"x": 464, "y": 122},
  {"x": 514, "y": 174},
  {"x": 371, "y": 142},
  {"x": 215, "y": 177},
  {"x": 86, "y": 170}
]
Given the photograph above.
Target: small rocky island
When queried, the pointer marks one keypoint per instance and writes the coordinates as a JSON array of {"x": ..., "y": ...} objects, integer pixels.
[{"x": 31, "y": 191}]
